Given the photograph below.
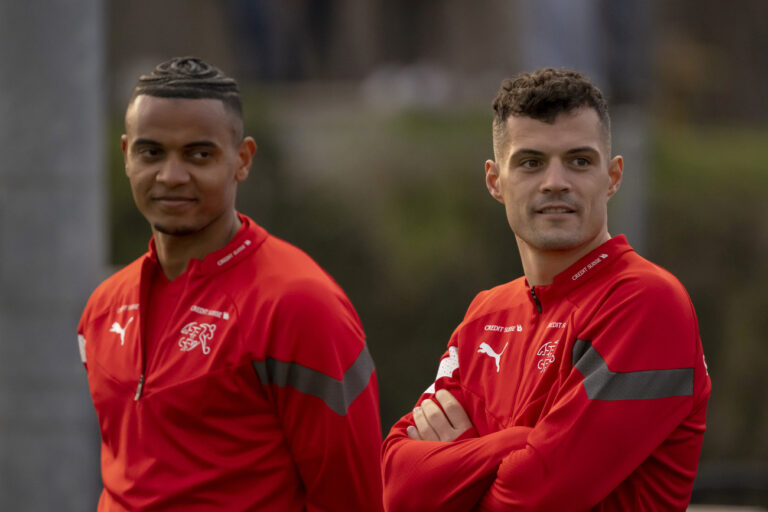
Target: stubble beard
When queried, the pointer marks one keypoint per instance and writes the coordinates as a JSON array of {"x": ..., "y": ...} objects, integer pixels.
[
  {"x": 186, "y": 230},
  {"x": 555, "y": 242},
  {"x": 551, "y": 238},
  {"x": 175, "y": 231}
]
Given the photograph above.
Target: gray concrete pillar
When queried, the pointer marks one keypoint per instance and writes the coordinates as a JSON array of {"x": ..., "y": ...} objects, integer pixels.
[{"x": 52, "y": 248}]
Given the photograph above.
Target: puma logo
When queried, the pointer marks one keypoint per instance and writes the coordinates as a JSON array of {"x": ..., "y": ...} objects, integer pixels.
[
  {"x": 487, "y": 350},
  {"x": 116, "y": 328}
]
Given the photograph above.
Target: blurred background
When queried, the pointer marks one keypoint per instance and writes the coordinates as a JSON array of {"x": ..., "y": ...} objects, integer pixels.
[{"x": 373, "y": 124}]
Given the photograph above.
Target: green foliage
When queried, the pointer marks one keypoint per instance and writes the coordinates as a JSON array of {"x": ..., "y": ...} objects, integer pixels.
[{"x": 710, "y": 228}]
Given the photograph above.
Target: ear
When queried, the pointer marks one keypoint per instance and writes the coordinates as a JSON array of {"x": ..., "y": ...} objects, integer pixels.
[
  {"x": 245, "y": 154},
  {"x": 124, "y": 146},
  {"x": 615, "y": 172},
  {"x": 492, "y": 180}
]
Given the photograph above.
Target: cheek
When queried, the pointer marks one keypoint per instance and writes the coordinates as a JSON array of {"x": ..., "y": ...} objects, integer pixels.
[{"x": 139, "y": 181}]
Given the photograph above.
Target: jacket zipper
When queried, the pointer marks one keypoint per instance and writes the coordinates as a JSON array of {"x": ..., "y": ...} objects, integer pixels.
[
  {"x": 139, "y": 388},
  {"x": 535, "y": 299}
]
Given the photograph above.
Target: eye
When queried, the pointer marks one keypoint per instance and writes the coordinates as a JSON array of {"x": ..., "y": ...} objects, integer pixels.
[
  {"x": 581, "y": 161},
  {"x": 530, "y": 163},
  {"x": 149, "y": 153},
  {"x": 200, "y": 155}
]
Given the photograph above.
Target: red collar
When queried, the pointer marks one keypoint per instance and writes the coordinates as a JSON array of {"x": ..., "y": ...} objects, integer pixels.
[
  {"x": 247, "y": 239},
  {"x": 584, "y": 270}
]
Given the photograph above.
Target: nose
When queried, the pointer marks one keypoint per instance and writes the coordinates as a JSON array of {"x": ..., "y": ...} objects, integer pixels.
[
  {"x": 172, "y": 172},
  {"x": 555, "y": 178}
]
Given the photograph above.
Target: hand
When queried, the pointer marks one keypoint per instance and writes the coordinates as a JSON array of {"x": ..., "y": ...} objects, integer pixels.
[{"x": 432, "y": 424}]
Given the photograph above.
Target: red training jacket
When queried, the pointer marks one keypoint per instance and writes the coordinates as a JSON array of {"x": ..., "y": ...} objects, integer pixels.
[
  {"x": 261, "y": 394},
  {"x": 587, "y": 394}
]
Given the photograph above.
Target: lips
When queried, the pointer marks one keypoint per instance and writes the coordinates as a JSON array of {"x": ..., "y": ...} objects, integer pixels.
[
  {"x": 173, "y": 201},
  {"x": 555, "y": 209}
]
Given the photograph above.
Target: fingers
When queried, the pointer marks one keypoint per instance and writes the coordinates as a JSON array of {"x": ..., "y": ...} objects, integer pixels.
[
  {"x": 454, "y": 412},
  {"x": 413, "y": 433},
  {"x": 423, "y": 424},
  {"x": 437, "y": 420},
  {"x": 435, "y": 424}
]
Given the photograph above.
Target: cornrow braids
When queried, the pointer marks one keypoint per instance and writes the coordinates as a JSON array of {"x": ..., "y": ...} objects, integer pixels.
[{"x": 190, "y": 78}]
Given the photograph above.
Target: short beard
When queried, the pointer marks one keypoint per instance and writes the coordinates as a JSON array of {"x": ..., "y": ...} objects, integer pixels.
[
  {"x": 178, "y": 231},
  {"x": 557, "y": 243}
]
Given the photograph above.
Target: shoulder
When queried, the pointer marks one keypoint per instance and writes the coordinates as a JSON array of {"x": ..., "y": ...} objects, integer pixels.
[
  {"x": 499, "y": 297},
  {"x": 292, "y": 283},
  {"x": 643, "y": 315},
  {"x": 291, "y": 272},
  {"x": 126, "y": 277},
  {"x": 308, "y": 316},
  {"x": 642, "y": 281},
  {"x": 113, "y": 289}
]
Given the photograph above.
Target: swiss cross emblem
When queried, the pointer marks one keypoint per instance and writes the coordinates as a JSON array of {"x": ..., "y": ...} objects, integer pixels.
[
  {"x": 546, "y": 355},
  {"x": 194, "y": 334}
]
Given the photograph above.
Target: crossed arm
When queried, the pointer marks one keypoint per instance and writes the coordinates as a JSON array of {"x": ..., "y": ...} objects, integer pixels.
[
  {"x": 436, "y": 424},
  {"x": 627, "y": 399},
  {"x": 441, "y": 463}
]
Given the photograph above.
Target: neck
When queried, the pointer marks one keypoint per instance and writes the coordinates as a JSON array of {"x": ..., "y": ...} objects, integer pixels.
[
  {"x": 174, "y": 252},
  {"x": 542, "y": 265}
]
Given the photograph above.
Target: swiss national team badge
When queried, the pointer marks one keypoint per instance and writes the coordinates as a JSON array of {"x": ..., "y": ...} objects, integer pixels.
[
  {"x": 547, "y": 355},
  {"x": 194, "y": 334}
]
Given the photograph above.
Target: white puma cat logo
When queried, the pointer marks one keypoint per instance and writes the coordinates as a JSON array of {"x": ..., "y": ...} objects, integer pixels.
[
  {"x": 487, "y": 350},
  {"x": 116, "y": 328}
]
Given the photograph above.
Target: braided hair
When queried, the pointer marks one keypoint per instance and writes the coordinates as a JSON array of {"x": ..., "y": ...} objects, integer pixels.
[{"x": 191, "y": 78}]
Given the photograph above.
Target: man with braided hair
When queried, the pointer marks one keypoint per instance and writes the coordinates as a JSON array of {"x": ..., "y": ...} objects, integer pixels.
[
  {"x": 228, "y": 371},
  {"x": 581, "y": 385}
]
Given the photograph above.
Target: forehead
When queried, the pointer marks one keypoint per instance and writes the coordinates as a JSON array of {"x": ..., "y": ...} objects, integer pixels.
[
  {"x": 179, "y": 118},
  {"x": 579, "y": 128}
]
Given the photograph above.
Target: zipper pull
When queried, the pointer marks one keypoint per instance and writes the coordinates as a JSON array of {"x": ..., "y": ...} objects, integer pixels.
[
  {"x": 536, "y": 299},
  {"x": 139, "y": 388}
]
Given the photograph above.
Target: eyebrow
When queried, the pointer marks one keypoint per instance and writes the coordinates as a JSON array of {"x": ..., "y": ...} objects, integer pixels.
[
  {"x": 533, "y": 152},
  {"x": 582, "y": 149},
  {"x": 525, "y": 152},
  {"x": 193, "y": 144},
  {"x": 146, "y": 142},
  {"x": 201, "y": 143}
]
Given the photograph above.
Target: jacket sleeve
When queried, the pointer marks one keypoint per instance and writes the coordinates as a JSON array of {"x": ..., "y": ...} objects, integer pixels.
[
  {"x": 81, "y": 339},
  {"x": 637, "y": 376},
  {"x": 443, "y": 476},
  {"x": 322, "y": 382}
]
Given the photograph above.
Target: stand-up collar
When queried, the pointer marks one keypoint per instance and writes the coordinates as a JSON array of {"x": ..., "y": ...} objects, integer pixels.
[
  {"x": 584, "y": 270},
  {"x": 247, "y": 239}
]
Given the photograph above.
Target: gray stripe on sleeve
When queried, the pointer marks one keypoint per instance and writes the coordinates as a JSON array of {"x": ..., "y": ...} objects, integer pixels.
[
  {"x": 603, "y": 384},
  {"x": 337, "y": 394}
]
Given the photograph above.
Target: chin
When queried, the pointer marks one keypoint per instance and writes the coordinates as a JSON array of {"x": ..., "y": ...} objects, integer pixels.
[
  {"x": 558, "y": 244},
  {"x": 562, "y": 241},
  {"x": 175, "y": 230}
]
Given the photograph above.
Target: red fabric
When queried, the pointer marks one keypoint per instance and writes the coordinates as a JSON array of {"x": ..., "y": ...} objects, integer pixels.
[
  {"x": 163, "y": 297},
  {"x": 205, "y": 434},
  {"x": 542, "y": 443}
]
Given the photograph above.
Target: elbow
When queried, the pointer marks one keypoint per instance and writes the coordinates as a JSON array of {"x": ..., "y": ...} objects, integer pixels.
[{"x": 401, "y": 491}]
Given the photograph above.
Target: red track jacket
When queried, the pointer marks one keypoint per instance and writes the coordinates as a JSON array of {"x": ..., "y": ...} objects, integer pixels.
[
  {"x": 587, "y": 394},
  {"x": 261, "y": 395}
]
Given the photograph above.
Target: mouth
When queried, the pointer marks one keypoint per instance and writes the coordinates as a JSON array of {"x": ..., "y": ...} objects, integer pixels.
[
  {"x": 555, "y": 209},
  {"x": 173, "y": 201}
]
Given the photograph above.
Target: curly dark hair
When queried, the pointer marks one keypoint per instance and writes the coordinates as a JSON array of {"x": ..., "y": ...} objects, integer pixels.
[
  {"x": 191, "y": 78},
  {"x": 543, "y": 95}
]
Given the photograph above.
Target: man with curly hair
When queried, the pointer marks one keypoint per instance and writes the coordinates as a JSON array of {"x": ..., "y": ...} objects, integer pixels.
[
  {"x": 581, "y": 385},
  {"x": 228, "y": 371}
]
